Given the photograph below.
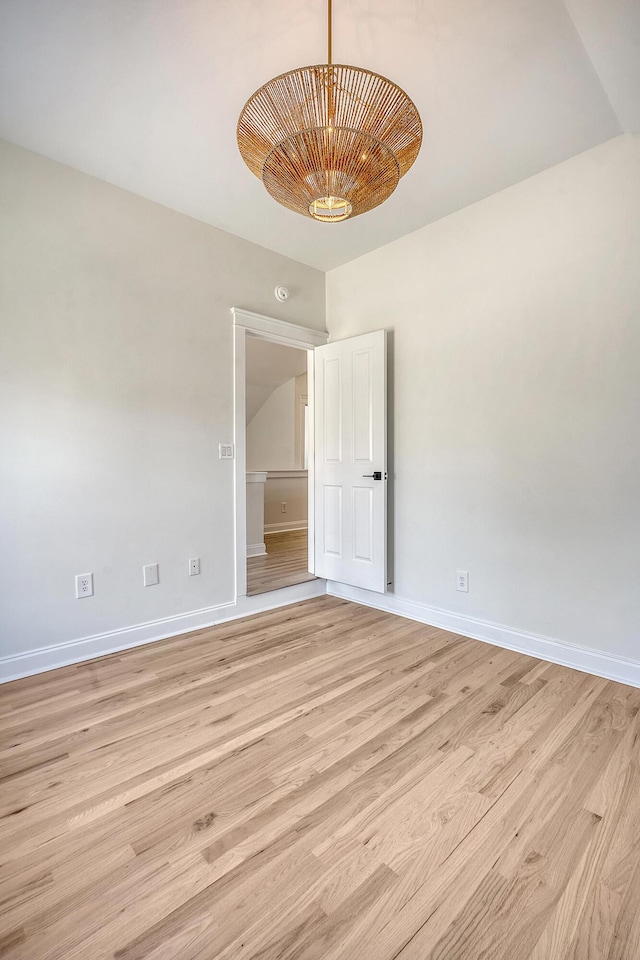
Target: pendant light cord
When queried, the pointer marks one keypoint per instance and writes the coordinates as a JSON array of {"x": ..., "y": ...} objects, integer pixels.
[{"x": 329, "y": 153}]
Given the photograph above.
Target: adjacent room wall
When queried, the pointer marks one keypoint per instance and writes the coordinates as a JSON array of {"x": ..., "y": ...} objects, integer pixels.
[
  {"x": 290, "y": 488},
  {"x": 515, "y": 400},
  {"x": 116, "y": 377},
  {"x": 271, "y": 433},
  {"x": 301, "y": 399},
  {"x": 275, "y": 443}
]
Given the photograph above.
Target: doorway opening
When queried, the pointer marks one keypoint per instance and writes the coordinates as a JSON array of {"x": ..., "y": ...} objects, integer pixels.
[
  {"x": 277, "y": 462},
  {"x": 277, "y": 555}
]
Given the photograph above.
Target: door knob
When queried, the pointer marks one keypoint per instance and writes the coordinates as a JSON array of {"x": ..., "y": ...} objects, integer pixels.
[{"x": 376, "y": 475}]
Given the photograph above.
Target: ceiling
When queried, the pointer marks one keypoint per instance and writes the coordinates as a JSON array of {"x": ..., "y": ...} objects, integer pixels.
[
  {"x": 146, "y": 94},
  {"x": 268, "y": 366}
]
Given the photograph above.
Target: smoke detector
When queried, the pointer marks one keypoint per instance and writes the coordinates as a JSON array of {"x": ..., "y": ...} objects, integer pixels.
[{"x": 282, "y": 293}]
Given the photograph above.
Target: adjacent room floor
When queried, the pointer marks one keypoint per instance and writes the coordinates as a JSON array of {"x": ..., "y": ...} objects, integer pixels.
[
  {"x": 286, "y": 563},
  {"x": 323, "y": 782}
]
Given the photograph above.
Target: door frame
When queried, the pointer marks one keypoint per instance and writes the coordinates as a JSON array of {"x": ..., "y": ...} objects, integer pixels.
[{"x": 289, "y": 335}]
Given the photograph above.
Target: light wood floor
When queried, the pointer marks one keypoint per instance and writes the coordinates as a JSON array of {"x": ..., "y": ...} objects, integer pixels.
[
  {"x": 323, "y": 782},
  {"x": 285, "y": 564}
]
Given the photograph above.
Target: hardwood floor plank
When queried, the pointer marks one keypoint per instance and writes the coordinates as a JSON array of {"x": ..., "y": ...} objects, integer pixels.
[
  {"x": 323, "y": 781},
  {"x": 285, "y": 563}
]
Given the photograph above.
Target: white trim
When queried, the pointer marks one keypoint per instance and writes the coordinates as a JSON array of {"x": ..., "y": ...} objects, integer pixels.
[
  {"x": 256, "y": 476},
  {"x": 303, "y": 401},
  {"x": 276, "y": 331},
  {"x": 287, "y": 474},
  {"x": 609, "y": 666},
  {"x": 240, "y": 447},
  {"x": 283, "y": 527},
  {"x": 101, "y": 644},
  {"x": 311, "y": 474},
  {"x": 256, "y": 549}
]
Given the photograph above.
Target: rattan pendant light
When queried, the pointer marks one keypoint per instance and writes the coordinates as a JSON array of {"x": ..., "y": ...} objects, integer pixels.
[{"x": 329, "y": 141}]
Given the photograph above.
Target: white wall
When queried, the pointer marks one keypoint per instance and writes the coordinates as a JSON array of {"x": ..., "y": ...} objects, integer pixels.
[
  {"x": 275, "y": 443},
  {"x": 515, "y": 354},
  {"x": 271, "y": 433},
  {"x": 116, "y": 377},
  {"x": 299, "y": 427},
  {"x": 275, "y": 434},
  {"x": 292, "y": 490}
]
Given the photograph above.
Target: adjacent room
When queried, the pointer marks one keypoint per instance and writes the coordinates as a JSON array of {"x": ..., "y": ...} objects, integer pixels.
[
  {"x": 320, "y": 514},
  {"x": 276, "y": 414}
]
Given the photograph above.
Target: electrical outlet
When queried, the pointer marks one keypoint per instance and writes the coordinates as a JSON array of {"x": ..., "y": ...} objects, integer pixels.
[
  {"x": 194, "y": 567},
  {"x": 225, "y": 451},
  {"x": 462, "y": 581},
  {"x": 283, "y": 506},
  {"x": 150, "y": 575},
  {"x": 84, "y": 585}
]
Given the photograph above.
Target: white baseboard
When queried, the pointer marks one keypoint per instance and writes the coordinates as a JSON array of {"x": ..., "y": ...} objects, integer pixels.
[
  {"x": 256, "y": 550},
  {"x": 87, "y": 648},
  {"x": 288, "y": 525},
  {"x": 609, "y": 666}
]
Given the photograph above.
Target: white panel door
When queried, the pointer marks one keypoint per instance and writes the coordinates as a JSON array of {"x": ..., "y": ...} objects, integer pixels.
[{"x": 351, "y": 461}]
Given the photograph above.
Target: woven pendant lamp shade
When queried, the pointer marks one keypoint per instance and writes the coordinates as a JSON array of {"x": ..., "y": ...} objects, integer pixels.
[{"x": 329, "y": 141}]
